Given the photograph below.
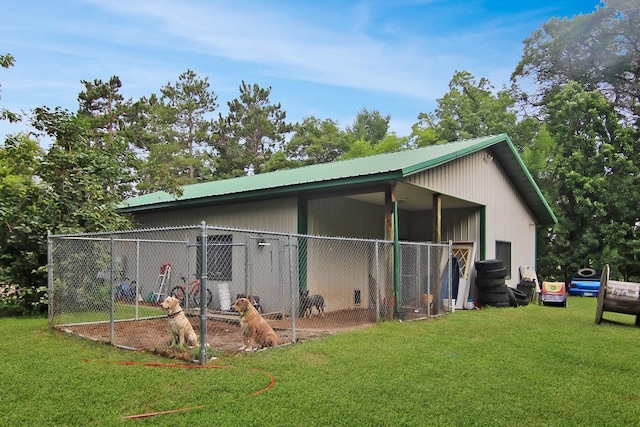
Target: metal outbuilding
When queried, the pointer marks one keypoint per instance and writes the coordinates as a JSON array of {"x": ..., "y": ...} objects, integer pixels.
[{"x": 477, "y": 192}]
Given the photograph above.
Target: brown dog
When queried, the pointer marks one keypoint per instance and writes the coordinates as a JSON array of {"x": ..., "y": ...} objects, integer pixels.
[
  {"x": 181, "y": 330},
  {"x": 255, "y": 329}
]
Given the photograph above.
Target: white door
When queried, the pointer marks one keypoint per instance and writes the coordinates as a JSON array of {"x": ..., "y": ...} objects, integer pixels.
[{"x": 466, "y": 254}]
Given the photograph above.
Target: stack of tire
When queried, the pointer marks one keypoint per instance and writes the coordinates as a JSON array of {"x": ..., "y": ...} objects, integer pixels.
[
  {"x": 490, "y": 284},
  {"x": 491, "y": 287}
]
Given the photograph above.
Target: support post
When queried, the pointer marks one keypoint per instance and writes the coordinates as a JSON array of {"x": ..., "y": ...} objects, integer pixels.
[
  {"x": 390, "y": 234},
  {"x": 137, "y": 295},
  {"x": 437, "y": 218},
  {"x": 50, "y": 306},
  {"x": 396, "y": 263},
  {"x": 203, "y": 293},
  {"x": 293, "y": 290},
  {"x": 112, "y": 314}
]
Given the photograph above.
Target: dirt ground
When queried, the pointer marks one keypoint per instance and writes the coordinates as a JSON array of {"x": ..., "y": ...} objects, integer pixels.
[{"x": 223, "y": 330}]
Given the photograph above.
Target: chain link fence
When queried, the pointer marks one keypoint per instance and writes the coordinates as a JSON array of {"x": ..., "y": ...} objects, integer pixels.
[{"x": 108, "y": 287}]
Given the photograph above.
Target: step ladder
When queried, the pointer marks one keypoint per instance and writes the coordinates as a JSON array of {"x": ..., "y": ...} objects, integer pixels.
[{"x": 164, "y": 280}]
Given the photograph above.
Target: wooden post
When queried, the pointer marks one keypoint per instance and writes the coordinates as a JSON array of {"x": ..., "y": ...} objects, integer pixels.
[
  {"x": 437, "y": 218},
  {"x": 389, "y": 234},
  {"x": 437, "y": 238}
]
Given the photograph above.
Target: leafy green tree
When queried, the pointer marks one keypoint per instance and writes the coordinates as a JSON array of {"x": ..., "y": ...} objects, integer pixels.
[
  {"x": 370, "y": 126},
  {"x": 586, "y": 89},
  {"x": 251, "y": 132},
  {"x": 392, "y": 143},
  {"x": 188, "y": 104},
  {"x": 362, "y": 148},
  {"x": 358, "y": 148},
  {"x": 23, "y": 209},
  {"x": 99, "y": 105},
  {"x": 161, "y": 163},
  {"x": 82, "y": 179},
  {"x": 172, "y": 133},
  {"x": 102, "y": 111},
  {"x": 470, "y": 109},
  {"x": 62, "y": 191},
  {"x": 600, "y": 50},
  {"x": 592, "y": 180},
  {"x": 540, "y": 155},
  {"x": 316, "y": 141},
  {"x": 424, "y": 132},
  {"x": 7, "y": 61},
  {"x": 369, "y": 135},
  {"x": 279, "y": 161},
  {"x": 73, "y": 187}
]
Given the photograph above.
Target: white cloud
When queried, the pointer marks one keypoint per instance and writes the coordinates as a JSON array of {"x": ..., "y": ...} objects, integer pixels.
[
  {"x": 327, "y": 58},
  {"x": 289, "y": 44}
]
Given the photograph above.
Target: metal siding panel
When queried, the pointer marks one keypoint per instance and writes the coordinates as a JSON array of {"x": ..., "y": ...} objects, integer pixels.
[
  {"x": 461, "y": 225},
  {"x": 278, "y": 215},
  {"x": 480, "y": 179},
  {"x": 341, "y": 217}
]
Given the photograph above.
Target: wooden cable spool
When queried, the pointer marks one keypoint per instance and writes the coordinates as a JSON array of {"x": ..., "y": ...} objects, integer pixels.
[{"x": 618, "y": 297}]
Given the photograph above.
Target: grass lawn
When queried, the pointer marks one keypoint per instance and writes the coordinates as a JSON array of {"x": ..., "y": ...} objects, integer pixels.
[
  {"x": 525, "y": 366},
  {"x": 121, "y": 312}
]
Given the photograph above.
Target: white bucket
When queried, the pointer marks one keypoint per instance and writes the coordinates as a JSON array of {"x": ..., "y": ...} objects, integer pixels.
[
  {"x": 225, "y": 296},
  {"x": 447, "y": 308}
]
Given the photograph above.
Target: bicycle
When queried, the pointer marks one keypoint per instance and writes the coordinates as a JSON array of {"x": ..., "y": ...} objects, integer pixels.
[
  {"x": 192, "y": 290},
  {"x": 126, "y": 292}
]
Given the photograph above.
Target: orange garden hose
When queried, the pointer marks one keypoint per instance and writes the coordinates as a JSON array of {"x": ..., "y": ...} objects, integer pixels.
[{"x": 178, "y": 365}]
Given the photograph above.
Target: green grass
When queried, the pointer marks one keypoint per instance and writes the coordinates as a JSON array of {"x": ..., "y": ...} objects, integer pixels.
[
  {"x": 120, "y": 312},
  {"x": 528, "y": 366}
]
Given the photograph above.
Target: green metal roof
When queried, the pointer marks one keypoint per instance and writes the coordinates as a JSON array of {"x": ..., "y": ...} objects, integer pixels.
[{"x": 364, "y": 170}]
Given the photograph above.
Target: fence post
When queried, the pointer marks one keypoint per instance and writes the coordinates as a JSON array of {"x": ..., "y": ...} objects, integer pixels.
[
  {"x": 292, "y": 292},
  {"x": 112, "y": 313},
  {"x": 431, "y": 271},
  {"x": 203, "y": 292},
  {"x": 49, "y": 279},
  {"x": 137, "y": 296},
  {"x": 377, "y": 281},
  {"x": 451, "y": 296},
  {"x": 396, "y": 263}
]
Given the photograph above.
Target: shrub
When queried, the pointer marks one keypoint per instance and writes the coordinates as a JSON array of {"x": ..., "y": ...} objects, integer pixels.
[{"x": 15, "y": 300}]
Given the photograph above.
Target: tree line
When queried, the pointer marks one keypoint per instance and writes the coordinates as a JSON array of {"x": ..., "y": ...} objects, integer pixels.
[{"x": 572, "y": 109}]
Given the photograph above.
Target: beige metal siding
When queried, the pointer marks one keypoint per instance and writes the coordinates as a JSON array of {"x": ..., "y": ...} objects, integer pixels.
[
  {"x": 480, "y": 179},
  {"x": 340, "y": 217},
  {"x": 461, "y": 225},
  {"x": 457, "y": 225},
  {"x": 279, "y": 215},
  {"x": 336, "y": 269}
]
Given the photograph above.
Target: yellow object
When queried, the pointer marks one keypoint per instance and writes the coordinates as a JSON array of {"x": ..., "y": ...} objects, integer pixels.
[{"x": 553, "y": 287}]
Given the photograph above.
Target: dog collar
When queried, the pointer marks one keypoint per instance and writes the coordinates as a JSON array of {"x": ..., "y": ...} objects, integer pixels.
[{"x": 174, "y": 314}]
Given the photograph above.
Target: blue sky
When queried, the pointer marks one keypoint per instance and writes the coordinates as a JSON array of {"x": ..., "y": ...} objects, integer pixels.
[{"x": 328, "y": 59}]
